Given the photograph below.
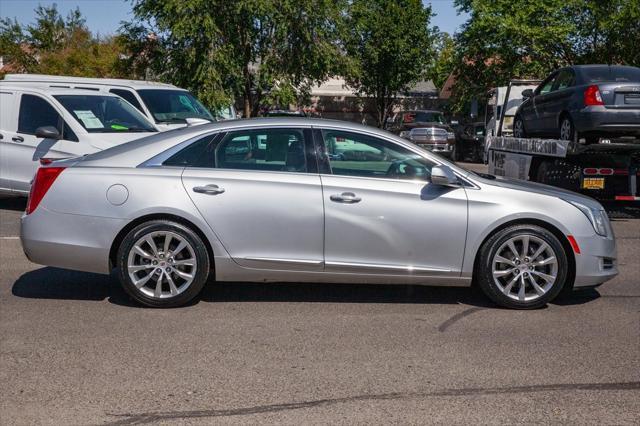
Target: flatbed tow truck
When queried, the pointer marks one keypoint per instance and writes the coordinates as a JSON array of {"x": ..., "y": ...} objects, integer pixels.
[{"x": 608, "y": 170}]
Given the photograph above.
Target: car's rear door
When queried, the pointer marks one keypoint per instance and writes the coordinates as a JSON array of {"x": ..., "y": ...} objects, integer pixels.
[
  {"x": 382, "y": 216},
  {"x": 260, "y": 193}
]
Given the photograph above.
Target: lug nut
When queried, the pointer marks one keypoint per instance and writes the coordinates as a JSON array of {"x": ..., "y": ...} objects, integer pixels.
[
  {"x": 155, "y": 262},
  {"x": 168, "y": 269},
  {"x": 158, "y": 270}
]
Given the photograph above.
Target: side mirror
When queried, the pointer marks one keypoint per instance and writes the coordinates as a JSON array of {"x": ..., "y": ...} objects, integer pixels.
[
  {"x": 528, "y": 93},
  {"x": 443, "y": 176},
  {"x": 47, "y": 132}
]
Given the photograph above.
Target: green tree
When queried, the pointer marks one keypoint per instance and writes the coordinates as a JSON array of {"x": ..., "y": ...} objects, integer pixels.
[
  {"x": 444, "y": 60},
  {"x": 59, "y": 46},
  {"x": 389, "y": 43},
  {"x": 256, "y": 50},
  {"x": 504, "y": 39}
]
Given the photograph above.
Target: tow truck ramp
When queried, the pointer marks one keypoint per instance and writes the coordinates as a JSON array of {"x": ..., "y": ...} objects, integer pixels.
[{"x": 606, "y": 171}]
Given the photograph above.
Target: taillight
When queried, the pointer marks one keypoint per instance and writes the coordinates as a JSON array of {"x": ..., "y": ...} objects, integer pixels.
[
  {"x": 592, "y": 96},
  {"x": 45, "y": 176}
]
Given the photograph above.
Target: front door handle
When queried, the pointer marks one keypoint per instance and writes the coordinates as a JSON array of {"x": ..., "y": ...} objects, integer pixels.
[
  {"x": 208, "y": 189},
  {"x": 346, "y": 197},
  {"x": 17, "y": 139}
]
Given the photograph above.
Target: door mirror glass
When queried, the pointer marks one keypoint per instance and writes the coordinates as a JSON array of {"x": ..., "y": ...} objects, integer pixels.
[
  {"x": 527, "y": 93},
  {"x": 47, "y": 132},
  {"x": 443, "y": 176}
]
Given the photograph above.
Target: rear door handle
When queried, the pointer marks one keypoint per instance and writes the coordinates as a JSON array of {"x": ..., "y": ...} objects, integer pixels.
[
  {"x": 208, "y": 189},
  {"x": 346, "y": 197},
  {"x": 17, "y": 139}
]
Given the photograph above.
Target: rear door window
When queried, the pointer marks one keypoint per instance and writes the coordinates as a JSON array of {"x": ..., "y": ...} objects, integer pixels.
[
  {"x": 564, "y": 80},
  {"x": 269, "y": 149}
]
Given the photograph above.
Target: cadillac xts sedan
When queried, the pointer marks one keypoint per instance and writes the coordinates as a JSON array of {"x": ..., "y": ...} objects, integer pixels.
[{"x": 308, "y": 200}]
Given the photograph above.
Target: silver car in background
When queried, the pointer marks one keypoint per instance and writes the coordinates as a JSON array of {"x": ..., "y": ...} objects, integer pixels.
[{"x": 305, "y": 200}]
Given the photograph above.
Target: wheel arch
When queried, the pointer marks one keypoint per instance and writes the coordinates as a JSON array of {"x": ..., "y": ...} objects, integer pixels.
[
  {"x": 571, "y": 272},
  {"x": 115, "y": 245}
]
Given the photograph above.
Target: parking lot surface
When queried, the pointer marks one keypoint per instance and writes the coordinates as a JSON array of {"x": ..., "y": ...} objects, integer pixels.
[{"x": 75, "y": 350}]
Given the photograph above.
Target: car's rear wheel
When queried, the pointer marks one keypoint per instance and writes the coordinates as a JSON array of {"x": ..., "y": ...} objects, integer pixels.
[
  {"x": 567, "y": 130},
  {"x": 163, "y": 264},
  {"x": 518, "y": 128},
  {"x": 522, "y": 267}
]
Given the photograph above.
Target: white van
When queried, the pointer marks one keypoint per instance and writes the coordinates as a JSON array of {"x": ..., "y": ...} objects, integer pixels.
[
  {"x": 44, "y": 122},
  {"x": 166, "y": 105}
]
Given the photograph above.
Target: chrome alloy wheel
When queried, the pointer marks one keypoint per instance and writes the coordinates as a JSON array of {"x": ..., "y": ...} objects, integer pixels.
[
  {"x": 162, "y": 264},
  {"x": 565, "y": 130},
  {"x": 525, "y": 268}
]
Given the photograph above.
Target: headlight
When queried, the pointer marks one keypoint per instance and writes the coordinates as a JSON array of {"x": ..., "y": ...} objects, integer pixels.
[{"x": 598, "y": 218}]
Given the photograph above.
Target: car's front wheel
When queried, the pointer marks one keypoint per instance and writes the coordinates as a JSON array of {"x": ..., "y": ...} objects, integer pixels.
[
  {"x": 522, "y": 267},
  {"x": 163, "y": 264}
]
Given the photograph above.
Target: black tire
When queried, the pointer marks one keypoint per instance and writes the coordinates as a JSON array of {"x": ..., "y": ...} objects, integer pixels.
[
  {"x": 518, "y": 128},
  {"x": 484, "y": 267},
  {"x": 200, "y": 254}
]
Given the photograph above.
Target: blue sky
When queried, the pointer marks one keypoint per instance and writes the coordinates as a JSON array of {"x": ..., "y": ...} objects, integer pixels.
[{"x": 104, "y": 16}]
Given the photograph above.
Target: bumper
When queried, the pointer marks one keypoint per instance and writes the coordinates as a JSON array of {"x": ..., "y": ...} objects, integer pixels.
[
  {"x": 607, "y": 121},
  {"x": 68, "y": 241},
  {"x": 597, "y": 262}
]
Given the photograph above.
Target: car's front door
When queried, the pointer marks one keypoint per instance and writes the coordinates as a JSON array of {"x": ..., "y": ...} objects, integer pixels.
[
  {"x": 538, "y": 126},
  {"x": 25, "y": 149},
  {"x": 557, "y": 101},
  {"x": 260, "y": 192},
  {"x": 382, "y": 216}
]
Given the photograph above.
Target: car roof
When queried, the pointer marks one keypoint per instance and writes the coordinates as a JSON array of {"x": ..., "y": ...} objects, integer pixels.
[
  {"x": 138, "y": 151},
  {"x": 43, "y": 78},
  {"x": 53, "y": 90}
]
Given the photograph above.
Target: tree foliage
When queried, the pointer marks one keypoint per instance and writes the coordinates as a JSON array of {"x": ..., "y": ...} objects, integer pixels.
[
  {"x": 389, "y": 44},
  {"x": 260, "y": 51},
  {"x": 57, "y": 45},
  {"x": 504, "y": 39}
]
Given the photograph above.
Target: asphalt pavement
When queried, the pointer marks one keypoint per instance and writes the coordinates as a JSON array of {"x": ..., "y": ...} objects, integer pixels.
[{"x": 75, "y": 350}]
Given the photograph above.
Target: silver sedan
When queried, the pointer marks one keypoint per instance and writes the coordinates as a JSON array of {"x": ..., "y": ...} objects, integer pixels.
[{"x": 301, "y": 200}]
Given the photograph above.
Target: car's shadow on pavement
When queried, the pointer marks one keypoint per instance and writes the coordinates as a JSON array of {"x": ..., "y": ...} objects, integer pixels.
[{"x": 55, "y": 283}]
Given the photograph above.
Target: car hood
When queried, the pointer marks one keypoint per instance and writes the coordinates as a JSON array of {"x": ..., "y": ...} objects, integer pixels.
[
  {"x": 102, "y": 141},
  {"x": 538, "y": 188}
]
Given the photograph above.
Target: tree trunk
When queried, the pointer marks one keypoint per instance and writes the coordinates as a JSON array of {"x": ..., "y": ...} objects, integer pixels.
[{"x": 247, "y": 92}]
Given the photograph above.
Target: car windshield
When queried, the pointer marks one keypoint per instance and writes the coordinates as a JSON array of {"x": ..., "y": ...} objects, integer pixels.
[
  {"x": 598, "y": 74},
  {"x": 105, "y": 114},
  {"x": 423, "y": 117},
  {"x": 173, "y": 106}
]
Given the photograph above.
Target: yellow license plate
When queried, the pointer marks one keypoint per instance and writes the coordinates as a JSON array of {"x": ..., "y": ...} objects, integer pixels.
[{"x": 593, "y": 183}]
